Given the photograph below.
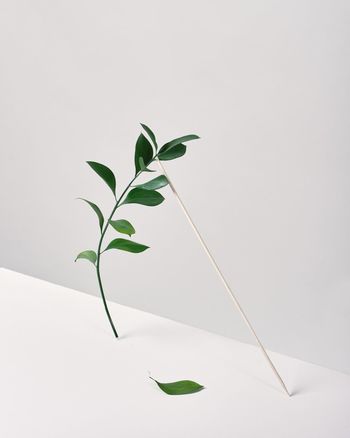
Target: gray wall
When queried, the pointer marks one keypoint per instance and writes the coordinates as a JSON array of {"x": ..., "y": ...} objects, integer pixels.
[{"x": 266, "y": 86}]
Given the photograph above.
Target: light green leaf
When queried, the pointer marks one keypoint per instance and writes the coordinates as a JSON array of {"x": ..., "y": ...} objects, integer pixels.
[
  {"x": 143, "y": 168},
  {"x": 126, "y": 245},
  {"x": 171, "y": 153},
  {"x": 144, "y": 150},
  {"x": 142, "y": 164},
  {"x": 151, "y": 135},
  {"x": 155, "y": 183},
  {"x": 123, "y": 226},
  {"x": 179, "y": 140},
  {"x": 150, "y": 198},
  {"x": 96, "y": 210},
  {"x": 105, "y": 173},
  {"x": 179, "y": 388},
  {"x": 88, "y": 255}
]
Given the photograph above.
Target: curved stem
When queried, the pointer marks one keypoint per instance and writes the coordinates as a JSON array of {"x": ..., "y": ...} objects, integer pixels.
[
  {"x": 104, "y": 300},
  {"x": 99, "y": 252}
]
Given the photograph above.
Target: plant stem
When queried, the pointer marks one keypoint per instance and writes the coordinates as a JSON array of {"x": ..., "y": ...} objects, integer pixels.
[
  {"x": 104, "y": 230},
  {"x": 104, "y": 300}
]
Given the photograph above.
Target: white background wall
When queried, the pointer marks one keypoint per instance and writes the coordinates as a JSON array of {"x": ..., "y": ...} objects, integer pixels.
[{"x": 266, "y": 86}]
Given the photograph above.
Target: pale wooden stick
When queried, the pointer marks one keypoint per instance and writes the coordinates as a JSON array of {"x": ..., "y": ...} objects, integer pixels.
[{"x": 221, "y": 276}]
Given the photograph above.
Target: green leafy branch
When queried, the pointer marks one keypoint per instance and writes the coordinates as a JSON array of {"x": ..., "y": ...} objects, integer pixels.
[{"x": 146, "y": 152}]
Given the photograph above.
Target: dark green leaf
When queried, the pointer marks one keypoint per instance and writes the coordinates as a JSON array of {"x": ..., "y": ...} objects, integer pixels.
[
  {"x": 96, "y": 210},
  {"x": 155, "y": 184},
  {"x": 172, "y": 153},
  {"x": 151, "y": 135},
  {"x": 144, "y": 197},
  {"x": 123, "y": 226},
  {"x": 179, "y": 388},
  {"x": 143, "y": 150},
  {"x": 179, "y": 140},
  {"x": 105, "y": 173},
  {"x": 126, "y": 245},
  {"x": 88, "y": 255}
]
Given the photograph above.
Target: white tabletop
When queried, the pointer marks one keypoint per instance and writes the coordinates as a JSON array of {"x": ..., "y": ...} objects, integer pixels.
[{"x": 64, "y": 375}]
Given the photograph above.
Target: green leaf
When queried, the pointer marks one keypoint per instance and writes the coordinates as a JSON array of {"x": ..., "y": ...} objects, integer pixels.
[
  {"x": 143, "y": 168},
  {"x": 88, "y": 255},
  {"x": 142, "y": 164},
  {"x": 96, "y": 210},
  {"x": 179, "y": 388},
  {"x": 105, "y": 173},
  {"x": 155, "y": 183},
  {"x": 175, "y": 148},
  {"x": 179, "y": 140},
  {"x": 123, "y": 226},
  {"x": 151, "y": 135},
  {"x": 172, "y": 153},
  {"x": 126, "y": 245},
  {"x": 143, "y": 197},
  {"x": 144, "y": 150}
]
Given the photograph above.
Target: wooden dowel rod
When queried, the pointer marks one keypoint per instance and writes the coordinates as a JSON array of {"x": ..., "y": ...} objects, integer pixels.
[{"x": 222, "y": 278}]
